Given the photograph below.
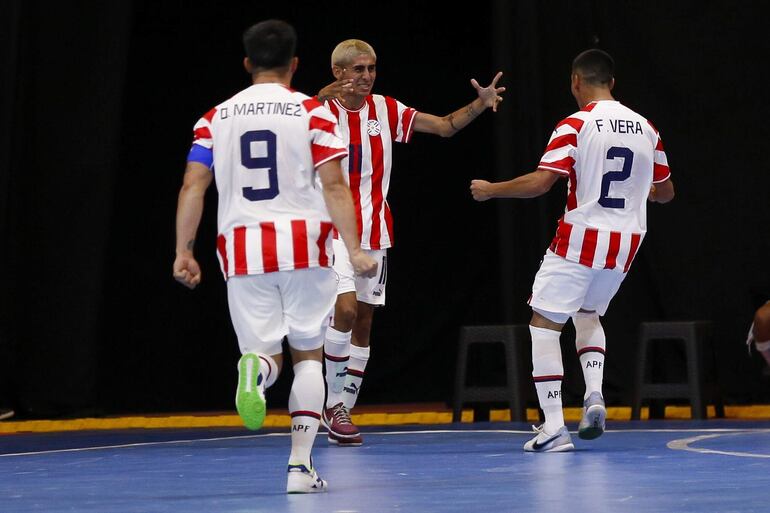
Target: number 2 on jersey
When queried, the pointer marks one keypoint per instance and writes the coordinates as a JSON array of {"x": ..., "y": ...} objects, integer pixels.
[
  {"x": 616, "y": 176},
  {"x": 265, "y": 140}
]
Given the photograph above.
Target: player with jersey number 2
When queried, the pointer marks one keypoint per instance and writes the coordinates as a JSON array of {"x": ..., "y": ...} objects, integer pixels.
[
  {"x": 615, "y": 163},
  {"x": 275, "y": 155},
  {"x": 370, "y": 124}
]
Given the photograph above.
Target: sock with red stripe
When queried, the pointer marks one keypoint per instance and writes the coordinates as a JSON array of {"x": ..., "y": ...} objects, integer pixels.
[
  {"x": 359, "y": 356},
  {"x": 305, "y": 402},
  {"x": 336, "y": 355},
  {"x": 268, "y": 371},
  {"x": 547, "y": 373},
  {"x": 590, "y": 343}
]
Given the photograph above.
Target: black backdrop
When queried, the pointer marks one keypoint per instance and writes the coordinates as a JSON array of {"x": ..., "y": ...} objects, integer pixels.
[{"x": 97, "y": 109}]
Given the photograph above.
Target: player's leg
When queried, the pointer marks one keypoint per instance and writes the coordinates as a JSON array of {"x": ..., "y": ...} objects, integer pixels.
[
  {"x": 308, "y": 298},
  {"x": 305, "y": 404},
  {"x": 557, "y": 292},
  {"x": 337, "y": 340},
  {"x": 254, "y": 303},
  {"x": 359, "y": 354},
  {"x": 370, "y": 293},
  {"x": 590, "y": 344},
  {"x": 760, "y": 331}
]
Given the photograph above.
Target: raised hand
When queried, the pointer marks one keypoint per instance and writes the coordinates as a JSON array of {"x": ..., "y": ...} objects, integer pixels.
[
  {"x": 336, "y": 90},
  {"x": 490, "y": 95}
]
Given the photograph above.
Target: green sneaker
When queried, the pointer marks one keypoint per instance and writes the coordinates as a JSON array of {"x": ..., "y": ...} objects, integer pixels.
[{"x": 249, "y": 398}]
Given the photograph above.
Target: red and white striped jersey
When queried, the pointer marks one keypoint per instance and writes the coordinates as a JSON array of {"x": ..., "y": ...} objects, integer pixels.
[
  {"x": 369, "y": 133},
  {"x": 611, "y": 156},
  {"x": 267, "y": 141}
]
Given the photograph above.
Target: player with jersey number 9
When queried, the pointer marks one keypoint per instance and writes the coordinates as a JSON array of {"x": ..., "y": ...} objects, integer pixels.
[
  {"x": 614, "y": 161},
  {"x": 281, "y": 191}
]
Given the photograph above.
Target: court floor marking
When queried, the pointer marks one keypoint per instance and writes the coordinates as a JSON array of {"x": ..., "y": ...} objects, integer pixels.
[
  {"x": 683, "y": 444},
  {"x": 677, "y": 444}
]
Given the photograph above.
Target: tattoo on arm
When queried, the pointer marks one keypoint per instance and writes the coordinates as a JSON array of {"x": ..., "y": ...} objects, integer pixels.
[
  {"x": 471, "y": 111},
  {"x": 450, "y": 118},
  {"x": 190, "y": 244}
]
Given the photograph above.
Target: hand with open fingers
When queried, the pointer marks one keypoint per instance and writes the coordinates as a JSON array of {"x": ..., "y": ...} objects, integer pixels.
[
  {"x": 490, "y": 95},
  {"x": 363, "y": 264},
  {"x": 336, "y": 90},
  {"x": 481, "y": 190},
  {"x": 187, "y": 271}
]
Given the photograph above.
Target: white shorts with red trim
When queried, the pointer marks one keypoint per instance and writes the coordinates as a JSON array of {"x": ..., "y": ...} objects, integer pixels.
[
  {"x": 296, "y": 304},
  {"x": 565, "y": 287},
  {"x": 368, "y": 290}
]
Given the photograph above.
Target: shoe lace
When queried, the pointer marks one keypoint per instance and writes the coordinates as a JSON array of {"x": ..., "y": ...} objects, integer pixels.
[{"x": 342, "y": 415}]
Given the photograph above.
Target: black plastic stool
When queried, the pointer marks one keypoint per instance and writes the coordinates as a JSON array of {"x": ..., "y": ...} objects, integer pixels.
[
  {"x": 696, "y": 336},
  {"x": 511, "y": 336}
]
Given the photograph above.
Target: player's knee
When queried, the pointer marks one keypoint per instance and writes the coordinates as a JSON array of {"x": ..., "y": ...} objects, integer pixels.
[
  {"x": 345, "y": 316},
  {"x": 586, "y": 320}
]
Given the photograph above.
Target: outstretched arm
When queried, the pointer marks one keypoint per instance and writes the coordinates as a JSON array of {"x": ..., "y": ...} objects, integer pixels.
[
  {"x": 531, "y": 185},
  {"x": 452, "y": 123},
  {"x": 197, "y": 178}
]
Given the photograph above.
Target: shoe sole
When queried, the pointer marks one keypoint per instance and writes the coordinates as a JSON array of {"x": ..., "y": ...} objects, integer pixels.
[
  {"x": 343, "y": 443},
  {"x": 248, "y": 401},
  {"x": 304, "y": 489},
  {"x": 559, "y": 448},
  {"x": 596, "y": 415}
]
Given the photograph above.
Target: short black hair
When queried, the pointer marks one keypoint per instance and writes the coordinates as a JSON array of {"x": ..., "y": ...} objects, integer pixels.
[
  {"x": 595, "y": 66},
  {"x": 270, "y": 44}
]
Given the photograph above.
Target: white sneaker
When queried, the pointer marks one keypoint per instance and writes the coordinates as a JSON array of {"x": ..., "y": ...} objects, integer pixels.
[
  {"x": 302, "y": 480},
  {"x": 594, "y": 417},
  {"x": 545, "y": 442}
]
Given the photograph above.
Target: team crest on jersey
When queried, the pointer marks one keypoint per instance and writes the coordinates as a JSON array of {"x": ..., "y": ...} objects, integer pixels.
[{"x": 373, "y": 127}]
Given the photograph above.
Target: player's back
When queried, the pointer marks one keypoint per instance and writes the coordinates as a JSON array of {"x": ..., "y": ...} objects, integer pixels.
[
  {"x": 613, "y": 169},
  {"x": 611, "y": 155},
  {"x": 262, "y": 158},
  {"x": 267, "y": 141}
]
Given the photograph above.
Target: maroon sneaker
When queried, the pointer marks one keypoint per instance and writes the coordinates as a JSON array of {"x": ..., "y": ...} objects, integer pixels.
[
  {"x": 353, "y": 441},
  {"x": 337, "y": 421}
]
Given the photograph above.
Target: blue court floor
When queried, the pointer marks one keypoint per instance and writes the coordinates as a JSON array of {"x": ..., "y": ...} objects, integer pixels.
[{"x": 647, "y": 466}]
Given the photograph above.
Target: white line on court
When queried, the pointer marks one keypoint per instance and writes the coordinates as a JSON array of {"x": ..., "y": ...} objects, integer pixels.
[
  {"x": 718, "y": 431},
  {"x": 683, "y": 444}
]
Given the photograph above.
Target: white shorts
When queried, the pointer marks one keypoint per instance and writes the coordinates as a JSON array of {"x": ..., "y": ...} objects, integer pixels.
[
  {"x": 368, "y": 290},
  {"x": 297, "y": 304},
  {"x": 565, "y": 287}
]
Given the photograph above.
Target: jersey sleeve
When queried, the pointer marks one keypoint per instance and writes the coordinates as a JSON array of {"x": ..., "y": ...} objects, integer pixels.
[
  {"x": 203, "y": 143},
  {"x": 325, "y": 139},
  {"x": 559, "y": 155},
  {"x": 660, "y": 170},
  {"x": 400, "y": 119}
]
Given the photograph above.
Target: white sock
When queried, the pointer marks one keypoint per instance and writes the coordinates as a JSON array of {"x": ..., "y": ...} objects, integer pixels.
[
  {"x": 590, "y": 344},
  {"x": 359, "y": 356},
  {"x": 336, "y": 355},
  {"x": 547, "y": 373},
  {"x": 268, "y": 371},
  {"x": 305, "y": 402}
]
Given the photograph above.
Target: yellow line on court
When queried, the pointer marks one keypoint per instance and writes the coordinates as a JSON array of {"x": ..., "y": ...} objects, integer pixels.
[{"x": 281, "y": 420}]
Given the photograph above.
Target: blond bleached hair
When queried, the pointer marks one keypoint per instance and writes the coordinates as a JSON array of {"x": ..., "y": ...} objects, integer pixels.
[{"x": 346, "y": 51}]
